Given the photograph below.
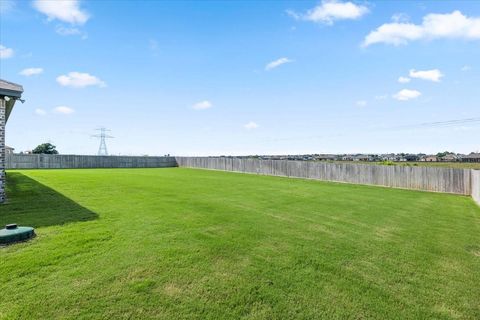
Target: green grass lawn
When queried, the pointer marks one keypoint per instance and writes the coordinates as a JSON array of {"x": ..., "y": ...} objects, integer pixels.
[{"x": 195, "y": 244}]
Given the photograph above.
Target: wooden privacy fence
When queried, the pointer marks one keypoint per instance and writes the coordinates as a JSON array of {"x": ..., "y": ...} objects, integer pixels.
[
  {"x": 435, "y": 179},
  {"x": 458, "y": 181},
  {"x": 46, "y": 161},
  {"x": 476, "y": 185}
]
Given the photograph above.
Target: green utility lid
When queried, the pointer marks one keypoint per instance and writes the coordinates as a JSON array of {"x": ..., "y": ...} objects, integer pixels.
[{"x": 13, "y": 233}]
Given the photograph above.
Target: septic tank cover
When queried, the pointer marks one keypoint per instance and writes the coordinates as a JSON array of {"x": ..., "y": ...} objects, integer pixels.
[{"x": 13, "y": 233}]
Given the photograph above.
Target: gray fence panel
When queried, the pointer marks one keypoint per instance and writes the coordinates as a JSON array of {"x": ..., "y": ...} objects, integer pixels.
[
  {"x": 447, "y": 180},
  {"x": 44, "y": 161},
  {"x": 458, "y": 181},
  {"x": 476, "y": 185}
]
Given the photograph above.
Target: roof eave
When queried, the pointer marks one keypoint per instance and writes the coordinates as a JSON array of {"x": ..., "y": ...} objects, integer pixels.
[
  {"x": 10, "y": 89},
  {"x": 10, "y": 93}
]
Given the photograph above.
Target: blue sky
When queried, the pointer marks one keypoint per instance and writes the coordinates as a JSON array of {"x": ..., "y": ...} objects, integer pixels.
[{"x": 243, "y": 77}]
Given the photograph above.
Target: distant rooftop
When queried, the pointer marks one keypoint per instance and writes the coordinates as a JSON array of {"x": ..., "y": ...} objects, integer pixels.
[
  {"x": 472, "y": 156},
  {"x": 10, "y": 89}
]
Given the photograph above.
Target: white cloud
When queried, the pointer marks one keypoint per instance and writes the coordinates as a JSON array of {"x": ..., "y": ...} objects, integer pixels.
[
  {"x": 202, "y": 105},
  {"x": 5, "y": 52},
  {"x": 80, "y": 80},
  {"x": 466, "y": 68},
  {"x": 251, "y": 125},
  {"x": 434, "y": 26},
  {"x": 431, "y": 75},
  {"x": 404, "y": 79},
  {"x": 361, "y": 103},
  {"x": 70, "y": 31},
  {"x": 331, "y": 10},
  {"x": 400, "y": 17},
  {"x": 406, "y": 94},
  {"x": 277, "y": 63},
  {"x": 393, "y": 33},
  {"x": 64, "y": 110},
  {"x": 66, "y": 31},
  {"x": 40, "y": 112},
  {"x": 381, "y": 97},
  {"x": 31, "y": 72},
  {"x": 66, "y": 10}
]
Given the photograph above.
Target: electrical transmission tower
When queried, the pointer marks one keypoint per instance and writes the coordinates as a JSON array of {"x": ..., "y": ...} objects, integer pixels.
[{"x": 102, "y": 149}]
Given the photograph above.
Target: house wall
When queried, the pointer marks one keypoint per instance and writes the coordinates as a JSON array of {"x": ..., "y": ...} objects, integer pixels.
[
  {"x": 418, "y": 178},
  {"x": 2, "y": 149},
  {"x": 45, "y": 161}
]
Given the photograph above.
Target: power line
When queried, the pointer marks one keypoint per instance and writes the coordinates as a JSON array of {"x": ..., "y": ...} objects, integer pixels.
[
  {"x": 435, "y": 124},
  {"x": 448, "y": 123},
  {"x": 102, "y": 149}
]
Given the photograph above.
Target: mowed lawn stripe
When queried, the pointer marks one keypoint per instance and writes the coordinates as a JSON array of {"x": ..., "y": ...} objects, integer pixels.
[{"x": 197, "y": 244}]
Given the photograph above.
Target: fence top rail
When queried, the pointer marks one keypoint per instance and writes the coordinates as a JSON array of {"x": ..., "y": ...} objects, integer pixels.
[{"x": 80, "y": 155}]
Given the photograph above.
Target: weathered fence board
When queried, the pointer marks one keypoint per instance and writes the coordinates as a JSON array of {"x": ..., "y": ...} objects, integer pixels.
[
  {"x": 44, "y": 161},
  {"x": 419, "y": 178},
  {"x": 476, "y": 186}
]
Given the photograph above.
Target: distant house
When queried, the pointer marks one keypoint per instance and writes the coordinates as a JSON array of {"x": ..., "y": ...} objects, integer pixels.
[
  {"x": 449, "y": 158},
  {"x": 430, "y": 158},
  {"x": 472, "y": 157},
  {"x": 9, "y": 150},
  {"x": 361, "y": 157},
  {"x": 412, "y": 157},
  {"x": 326, "y": 157},
  {"x": 388, "y": 157}
]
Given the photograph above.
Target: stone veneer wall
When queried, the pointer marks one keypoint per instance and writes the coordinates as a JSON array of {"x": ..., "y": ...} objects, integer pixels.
[{"x": 2, "y": 149}]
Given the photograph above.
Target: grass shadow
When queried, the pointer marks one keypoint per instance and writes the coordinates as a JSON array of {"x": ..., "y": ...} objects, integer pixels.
[{"x": 31, "y": 203}]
